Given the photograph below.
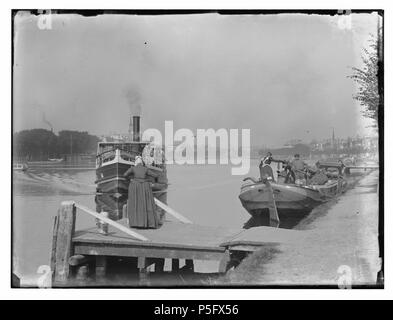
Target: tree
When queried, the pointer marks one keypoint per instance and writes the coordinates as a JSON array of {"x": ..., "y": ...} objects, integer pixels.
[
  {"x": 34, "y": 144},
  {"x": 76, "y": 142},
  {"x": 367, "y": 81},
  {"x": 41, "y": 144}
]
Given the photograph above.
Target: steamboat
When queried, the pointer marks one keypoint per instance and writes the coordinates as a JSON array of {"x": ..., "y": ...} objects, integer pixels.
[{"x": 115, "y": 158}]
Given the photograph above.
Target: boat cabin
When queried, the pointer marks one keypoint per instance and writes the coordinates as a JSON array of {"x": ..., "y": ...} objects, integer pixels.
[{"x": 125, "y": 152}]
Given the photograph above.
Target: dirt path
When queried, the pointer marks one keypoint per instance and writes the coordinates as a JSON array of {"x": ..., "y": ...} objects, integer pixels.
[{"x": 339, "y": 246}]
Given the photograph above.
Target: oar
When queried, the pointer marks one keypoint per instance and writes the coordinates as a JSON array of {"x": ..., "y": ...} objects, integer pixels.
[{"x": 273, "y": 213}]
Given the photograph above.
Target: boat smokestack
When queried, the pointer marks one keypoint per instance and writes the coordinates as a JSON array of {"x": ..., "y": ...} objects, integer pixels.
[
  {"x": 136, "y": 121},
  {"x": 130, "y": 129}
]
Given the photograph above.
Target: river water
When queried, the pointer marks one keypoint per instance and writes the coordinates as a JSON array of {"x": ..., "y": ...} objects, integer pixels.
[{"x": 206, "y": 194}]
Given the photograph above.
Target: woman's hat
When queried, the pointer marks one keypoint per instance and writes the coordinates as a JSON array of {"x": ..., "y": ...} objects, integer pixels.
[{"x": 138, "y": 160}]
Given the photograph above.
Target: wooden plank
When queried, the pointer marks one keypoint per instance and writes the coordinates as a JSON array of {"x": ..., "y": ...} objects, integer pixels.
[
  {"x": 363, "y": 167},
  {"x": 64, "y": 247},
  {"x": 153, "y": 252},
  {"x": 273, "y": 213},
  {"x": 245, "y": 248},
  {"x": 172, "y": 212},
  {"x": 112, "y": 223},
  {"x": 147, "y": 245},
  {"x": 170, "y": 235},
  {"x": 260, "y": 236}
]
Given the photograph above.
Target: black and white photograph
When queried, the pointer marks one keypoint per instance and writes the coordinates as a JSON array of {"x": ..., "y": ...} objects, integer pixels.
[{"x": 197, "y": 148}]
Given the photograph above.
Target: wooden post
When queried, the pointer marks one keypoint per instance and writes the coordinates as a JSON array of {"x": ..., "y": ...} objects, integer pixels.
[
  {"x": 189, "y": 266},
  {"x": 175, "y": 265},
  {"x": 54, "y": 244},
  {"x": 82, "y": 273},
  {"x": 101, "y": 263},
  {"x": 64, "y": 229},
  {"x": 143, "y": 272},
  {"x": 224, "y": 262},
  {"x": 159, "y": 265}
]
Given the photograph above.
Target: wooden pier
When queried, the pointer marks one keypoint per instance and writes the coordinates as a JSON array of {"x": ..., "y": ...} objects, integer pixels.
[{"x": 75, "y": 252}]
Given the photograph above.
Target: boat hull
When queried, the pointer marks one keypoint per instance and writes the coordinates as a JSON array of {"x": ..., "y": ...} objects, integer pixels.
[
  {"x": 288, "y": 197},
  {"x": 293, "y": 203},
  {"x": 110, "y": 178}
]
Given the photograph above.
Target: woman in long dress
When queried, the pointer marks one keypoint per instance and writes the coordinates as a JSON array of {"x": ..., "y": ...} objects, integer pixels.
[{"x": 141, "y": 209}]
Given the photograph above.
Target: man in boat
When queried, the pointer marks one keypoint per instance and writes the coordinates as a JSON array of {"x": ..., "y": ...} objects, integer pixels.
[
  {"x": 265, "y": 170},
  {"x": 341, "y": 168},
  {"x": 298, "y": 167},
  {"x": 286, "y": 175}
]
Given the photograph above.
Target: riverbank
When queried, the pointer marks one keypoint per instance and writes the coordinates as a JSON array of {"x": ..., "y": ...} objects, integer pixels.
[{"x": 339, "y": 246}]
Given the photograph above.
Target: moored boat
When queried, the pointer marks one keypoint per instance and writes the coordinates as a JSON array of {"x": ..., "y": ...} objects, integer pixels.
[
  {"x": 293, "y": 201},
  {"x": 20, "y": 167},
  {"x": 254, "y": 195}
]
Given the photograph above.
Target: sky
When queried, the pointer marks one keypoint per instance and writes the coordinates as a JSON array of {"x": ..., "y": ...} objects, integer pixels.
[{"x": 281, "y": 76}]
